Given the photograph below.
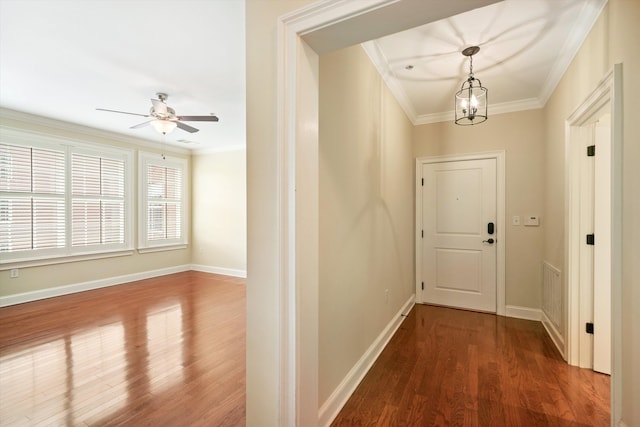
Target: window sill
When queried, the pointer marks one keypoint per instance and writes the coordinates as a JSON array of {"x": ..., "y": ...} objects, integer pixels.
[
  {"x": 8, "y": 265},
  {"x": 161, "y": 248}
]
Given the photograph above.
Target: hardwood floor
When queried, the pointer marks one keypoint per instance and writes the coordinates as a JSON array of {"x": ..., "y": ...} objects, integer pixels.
[
  {"x": 168, "y": 351},
  {"x": 447, "y": 367}
]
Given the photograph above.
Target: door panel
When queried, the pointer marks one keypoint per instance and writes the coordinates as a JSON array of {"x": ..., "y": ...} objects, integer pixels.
[
  {"x": 458, "y": 264},
  {"x": 450, "y": 277},
  {"x": 602, "y": 249},
  {"x": 458, "y": 193}
]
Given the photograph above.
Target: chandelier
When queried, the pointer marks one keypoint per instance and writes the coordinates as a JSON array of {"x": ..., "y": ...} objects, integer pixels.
[{"x": 471, "y": 99}]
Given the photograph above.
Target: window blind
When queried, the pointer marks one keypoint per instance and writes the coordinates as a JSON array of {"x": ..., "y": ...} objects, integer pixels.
[
  {"x": 32, "y": 198},
  {"x": 97, "y": 205},
  {"x": 59, "y": 198},
  {"x": 164, "y": 203}
]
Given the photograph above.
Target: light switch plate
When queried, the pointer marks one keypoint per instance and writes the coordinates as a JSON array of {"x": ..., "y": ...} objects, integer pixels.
[
  {"x": 531, "y": 220},
  {"x": 515, "y": 220}
]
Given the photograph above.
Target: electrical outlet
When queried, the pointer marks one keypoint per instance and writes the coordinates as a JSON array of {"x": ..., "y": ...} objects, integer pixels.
[
  {"x": 15, "y": 273},
  {"x": 386, "y": 296}
]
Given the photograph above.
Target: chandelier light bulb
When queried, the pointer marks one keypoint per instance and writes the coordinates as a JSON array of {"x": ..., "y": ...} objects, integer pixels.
[{"x": 474, "y": 101}]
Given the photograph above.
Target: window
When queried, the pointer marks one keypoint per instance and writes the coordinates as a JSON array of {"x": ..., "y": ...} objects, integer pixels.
[
  {"x": 163, "y": 210},
  {"x": 97, "y": 200},
  {"x": 32, "y": 206},
  {"x": 62, "y": 198}
]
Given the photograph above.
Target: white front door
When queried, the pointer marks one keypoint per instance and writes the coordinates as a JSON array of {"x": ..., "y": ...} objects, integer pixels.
[{"x": 458, "y": 251}]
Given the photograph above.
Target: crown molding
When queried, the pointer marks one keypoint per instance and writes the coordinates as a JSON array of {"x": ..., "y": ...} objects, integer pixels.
[
  {"x": 518, "y": 105},
  {"x": 59, "y": 125},
  {"x": 435, "y": 118},
  {"x": 584, "y": 22},
  {"x": 494, "y": 109}
]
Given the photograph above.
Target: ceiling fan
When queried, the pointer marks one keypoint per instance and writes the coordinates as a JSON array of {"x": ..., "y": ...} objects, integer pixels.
[{"x": 163, "y": 117}]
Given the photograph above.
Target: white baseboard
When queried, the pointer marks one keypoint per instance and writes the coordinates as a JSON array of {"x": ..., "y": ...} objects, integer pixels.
[
  {"x": 87, "y": 286},
  {"x": 332, "y": 406},
  {"x": 554, "y": 334},
  {"x": 536, "y": 314},
  {"x": 219, "y": 270},
  {"x": 526, "y": 313}
]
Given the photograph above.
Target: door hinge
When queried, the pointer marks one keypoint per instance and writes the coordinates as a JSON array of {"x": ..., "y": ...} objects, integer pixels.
[
  {"x": 589, "y": 328},
  {"x": 423, "y": 286},
  {"x": 423, "y": 182},
  {"x": 591, "y": 239},
  {"x": 422, "y": 234},
  {"x": 591, "y": 150}
]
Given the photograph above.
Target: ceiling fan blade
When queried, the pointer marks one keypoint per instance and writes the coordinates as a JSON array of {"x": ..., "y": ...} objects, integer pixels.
[
  {"x": 122, "y": 112},
  {"x": 186, "y": 127},
  {"x": 159, "y": 107},
  {"x": 141, "y": 125},
  {"x": 211, "y": 118}
]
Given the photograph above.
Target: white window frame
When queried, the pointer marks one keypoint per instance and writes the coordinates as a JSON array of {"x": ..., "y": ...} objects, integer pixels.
[
  {"x": 70, "y": 253},
  {"x": 146, "y": 159}
]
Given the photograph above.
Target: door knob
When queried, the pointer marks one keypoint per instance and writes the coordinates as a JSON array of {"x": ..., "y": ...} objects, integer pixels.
[{"x": 489, "y": 241}]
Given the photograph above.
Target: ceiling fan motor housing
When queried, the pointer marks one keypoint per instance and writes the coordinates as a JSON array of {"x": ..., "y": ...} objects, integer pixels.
[{"x": 170, "y": 113}]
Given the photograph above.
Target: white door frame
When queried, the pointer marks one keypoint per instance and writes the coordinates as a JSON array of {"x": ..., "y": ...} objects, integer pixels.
[
  {"x": 297, "y": 174},
  {"x": 500, "y": 237},
  {"x": 608, "y": 91}
]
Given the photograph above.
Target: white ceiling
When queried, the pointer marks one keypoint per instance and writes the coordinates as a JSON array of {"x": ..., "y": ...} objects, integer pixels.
[
  {"x": 525, "y": 48},
  {"x": 62, "y": 59}
]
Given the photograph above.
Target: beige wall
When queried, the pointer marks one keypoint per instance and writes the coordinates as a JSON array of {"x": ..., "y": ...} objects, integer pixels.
[
  {"x": 614, "y": 39},
  {"x": 50, "y": 276},
  {"x": 366, "y": 212},
  {"x": 219, "y": 210},
  {"x": 587, "y": 69},
  {"x": 623, "y": 39},
  {"x": 521, "y": 136}
]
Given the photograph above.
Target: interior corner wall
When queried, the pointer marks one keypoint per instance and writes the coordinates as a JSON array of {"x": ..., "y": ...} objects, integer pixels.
[
  {"x": 612, "y": 40},
  {"x": 42, "y": 278},
  {"x": 366, "y": 212},
  {"x": 219, "y": 210},
  {"x": 521, "y": 136}
]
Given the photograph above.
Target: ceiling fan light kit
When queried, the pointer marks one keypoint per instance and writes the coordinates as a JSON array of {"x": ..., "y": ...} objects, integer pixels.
[
  {"x": 163, "y": 126},
  {"x": 164, "y": 119},
  {"x": 471, "y": 99}
]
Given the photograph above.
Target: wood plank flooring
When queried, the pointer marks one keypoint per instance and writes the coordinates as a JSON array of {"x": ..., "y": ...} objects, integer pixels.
[
  {"x": 447, "y": 367},
  {"x": 168, "y": 351}
]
